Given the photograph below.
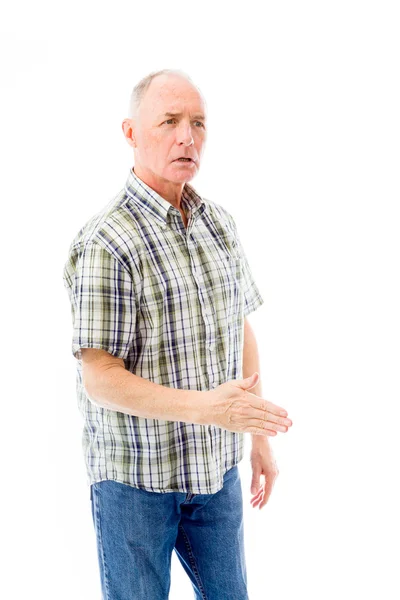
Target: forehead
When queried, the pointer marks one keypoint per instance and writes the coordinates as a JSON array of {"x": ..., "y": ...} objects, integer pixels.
[{"x": 172, "y": 94}]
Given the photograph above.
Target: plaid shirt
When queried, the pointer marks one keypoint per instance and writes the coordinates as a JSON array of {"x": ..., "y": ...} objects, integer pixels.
[{"x": 171, "y": 303}]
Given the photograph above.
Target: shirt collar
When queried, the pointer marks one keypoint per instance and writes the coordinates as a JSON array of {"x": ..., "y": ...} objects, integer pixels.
[{"x": 155, "y": 205}]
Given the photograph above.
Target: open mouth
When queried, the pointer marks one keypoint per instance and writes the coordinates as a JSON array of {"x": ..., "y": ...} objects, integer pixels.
[{"x": 182, "y": 159}]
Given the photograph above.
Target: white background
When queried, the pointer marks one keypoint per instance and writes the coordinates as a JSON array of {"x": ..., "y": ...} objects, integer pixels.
[{"x": 303, "y": 149}]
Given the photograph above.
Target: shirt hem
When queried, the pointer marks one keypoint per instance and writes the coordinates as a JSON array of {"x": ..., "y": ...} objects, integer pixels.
[{"x": 218, "y": 487}]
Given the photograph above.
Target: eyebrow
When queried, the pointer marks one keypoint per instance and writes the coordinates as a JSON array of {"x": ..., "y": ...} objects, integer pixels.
[{"x": 170, "y": 114}]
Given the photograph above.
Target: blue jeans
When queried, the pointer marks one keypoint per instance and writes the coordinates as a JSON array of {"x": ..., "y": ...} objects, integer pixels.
[{"x": 137, "y": 531}]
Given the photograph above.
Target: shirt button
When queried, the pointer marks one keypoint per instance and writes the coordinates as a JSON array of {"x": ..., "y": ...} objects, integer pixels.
[
  {"x": 214, "y": 384},
  {"x": 211, "y": 346}
]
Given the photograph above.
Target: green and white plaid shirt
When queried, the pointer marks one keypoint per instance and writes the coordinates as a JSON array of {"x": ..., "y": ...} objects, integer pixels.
[{"x": 171, "y": 303}]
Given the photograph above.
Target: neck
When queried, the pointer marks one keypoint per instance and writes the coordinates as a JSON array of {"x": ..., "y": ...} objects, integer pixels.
[{"x": 172, "y": 192}]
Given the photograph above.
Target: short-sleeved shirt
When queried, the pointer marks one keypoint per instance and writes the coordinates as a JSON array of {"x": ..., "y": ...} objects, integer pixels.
[{"x": 170, "y": 301}]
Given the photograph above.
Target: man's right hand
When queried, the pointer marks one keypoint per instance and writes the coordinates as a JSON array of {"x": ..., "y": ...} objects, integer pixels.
[{"x": 234, "y": 408}]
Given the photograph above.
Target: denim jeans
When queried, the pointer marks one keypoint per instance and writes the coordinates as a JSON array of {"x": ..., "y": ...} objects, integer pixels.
[{"x": 137, "y": 530}]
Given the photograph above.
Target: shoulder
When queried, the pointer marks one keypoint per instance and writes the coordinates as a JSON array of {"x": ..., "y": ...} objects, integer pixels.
[
  {"x": 220, "y": 214},
  {"x": 114, "y": 229},
  {"x": 112, "y": 217},
  {"x": 224, "y": 225}
]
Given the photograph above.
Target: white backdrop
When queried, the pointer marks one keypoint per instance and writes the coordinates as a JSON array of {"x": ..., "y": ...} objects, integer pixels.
[{"x": 303, "y": 149}]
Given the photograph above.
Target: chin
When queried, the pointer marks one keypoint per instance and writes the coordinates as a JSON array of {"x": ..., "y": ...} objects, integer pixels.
[{"x": 180, "y": 176}]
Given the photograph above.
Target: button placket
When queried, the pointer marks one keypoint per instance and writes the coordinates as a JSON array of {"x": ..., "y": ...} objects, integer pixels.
[{"x": 208, "y": 312}]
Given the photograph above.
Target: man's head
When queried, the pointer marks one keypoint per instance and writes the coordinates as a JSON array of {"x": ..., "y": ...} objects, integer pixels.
[{"x": 167, "y": 121}]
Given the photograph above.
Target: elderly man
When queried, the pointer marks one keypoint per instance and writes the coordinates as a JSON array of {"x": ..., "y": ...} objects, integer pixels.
[{"x": 160, "y": 287}]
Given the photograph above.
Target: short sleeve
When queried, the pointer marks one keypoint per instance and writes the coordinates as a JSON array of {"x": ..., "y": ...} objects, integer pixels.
[
  {"x": 103, "y": 302},
  {"x": 252, "y": 295}
]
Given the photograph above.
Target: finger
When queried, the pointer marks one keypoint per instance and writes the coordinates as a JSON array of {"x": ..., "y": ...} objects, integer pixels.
[
  {"x": 260, "y": 431},
  {"x": 256, "y": 502},
  {"x": 257, "y": 494},
  {"x": 266, "y": 415},
  {"x": 255, "y": 481},
  {"x": 267, "y": 493},
  {"x": 273, "y": 408},
  {"x": 260, "y": 425},
  {"x": 277, "y": 419},
  {"x": 257, "y": 499},
  {"x": 275, "y": 412}
]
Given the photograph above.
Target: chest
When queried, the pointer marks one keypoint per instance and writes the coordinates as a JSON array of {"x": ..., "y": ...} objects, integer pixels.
[{"x": 191, "y": 273}]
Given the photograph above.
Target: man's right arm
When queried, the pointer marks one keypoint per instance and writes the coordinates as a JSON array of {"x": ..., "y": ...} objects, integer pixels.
[{"x": 109, "y": 385}]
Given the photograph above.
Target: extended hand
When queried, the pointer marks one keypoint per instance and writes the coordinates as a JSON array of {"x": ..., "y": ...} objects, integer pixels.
[{"x": 233, "y": 408}]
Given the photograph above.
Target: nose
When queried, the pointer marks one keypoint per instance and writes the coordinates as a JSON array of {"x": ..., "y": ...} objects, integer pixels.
[{"x": 184, "y": 135}]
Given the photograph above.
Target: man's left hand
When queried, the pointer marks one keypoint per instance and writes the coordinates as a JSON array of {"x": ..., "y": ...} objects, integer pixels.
[{"x": 262, "y": 463}]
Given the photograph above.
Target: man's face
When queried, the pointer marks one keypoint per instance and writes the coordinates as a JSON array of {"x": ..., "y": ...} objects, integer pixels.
[{"x": 170, "y": 125}]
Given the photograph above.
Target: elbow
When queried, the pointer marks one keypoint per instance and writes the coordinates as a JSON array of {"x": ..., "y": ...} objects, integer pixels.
[
  {"x": 88, "y": 380},
  {"x": 97, "y": 365},
  {"x": 100, "y": 384}
]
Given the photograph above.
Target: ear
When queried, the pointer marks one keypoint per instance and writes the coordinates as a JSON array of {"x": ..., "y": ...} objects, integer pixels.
[{"x": 128, "y": 131}]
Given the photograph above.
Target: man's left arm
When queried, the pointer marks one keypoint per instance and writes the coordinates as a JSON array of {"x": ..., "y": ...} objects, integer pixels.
[{"x": 261, "y": 457}]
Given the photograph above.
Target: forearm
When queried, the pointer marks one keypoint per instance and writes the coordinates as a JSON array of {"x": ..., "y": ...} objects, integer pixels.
[
  {"x": 120, "y": 390},
  {"x": 251, "y": 363}
]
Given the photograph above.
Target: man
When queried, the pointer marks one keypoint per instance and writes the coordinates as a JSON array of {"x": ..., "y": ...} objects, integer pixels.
[{"x": 159, "y": 288}]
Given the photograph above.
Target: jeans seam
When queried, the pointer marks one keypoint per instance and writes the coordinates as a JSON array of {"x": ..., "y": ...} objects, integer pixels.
[
  {"x": 193, "y": 563},
  {"x": 102, "y": 552}
]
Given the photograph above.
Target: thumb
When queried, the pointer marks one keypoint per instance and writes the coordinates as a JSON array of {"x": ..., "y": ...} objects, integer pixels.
[
  {"x": 250, "y": 382},
  {"x": 255, "y": 482}
]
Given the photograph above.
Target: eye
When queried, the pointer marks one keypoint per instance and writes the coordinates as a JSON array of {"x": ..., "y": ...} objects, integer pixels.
[
  {"x": 168, "y": 120},
  {"x": 201, "y": 124}
]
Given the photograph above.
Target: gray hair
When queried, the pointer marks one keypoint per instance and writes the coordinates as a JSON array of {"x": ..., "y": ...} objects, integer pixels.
[{"x": 140, "y": 88}]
